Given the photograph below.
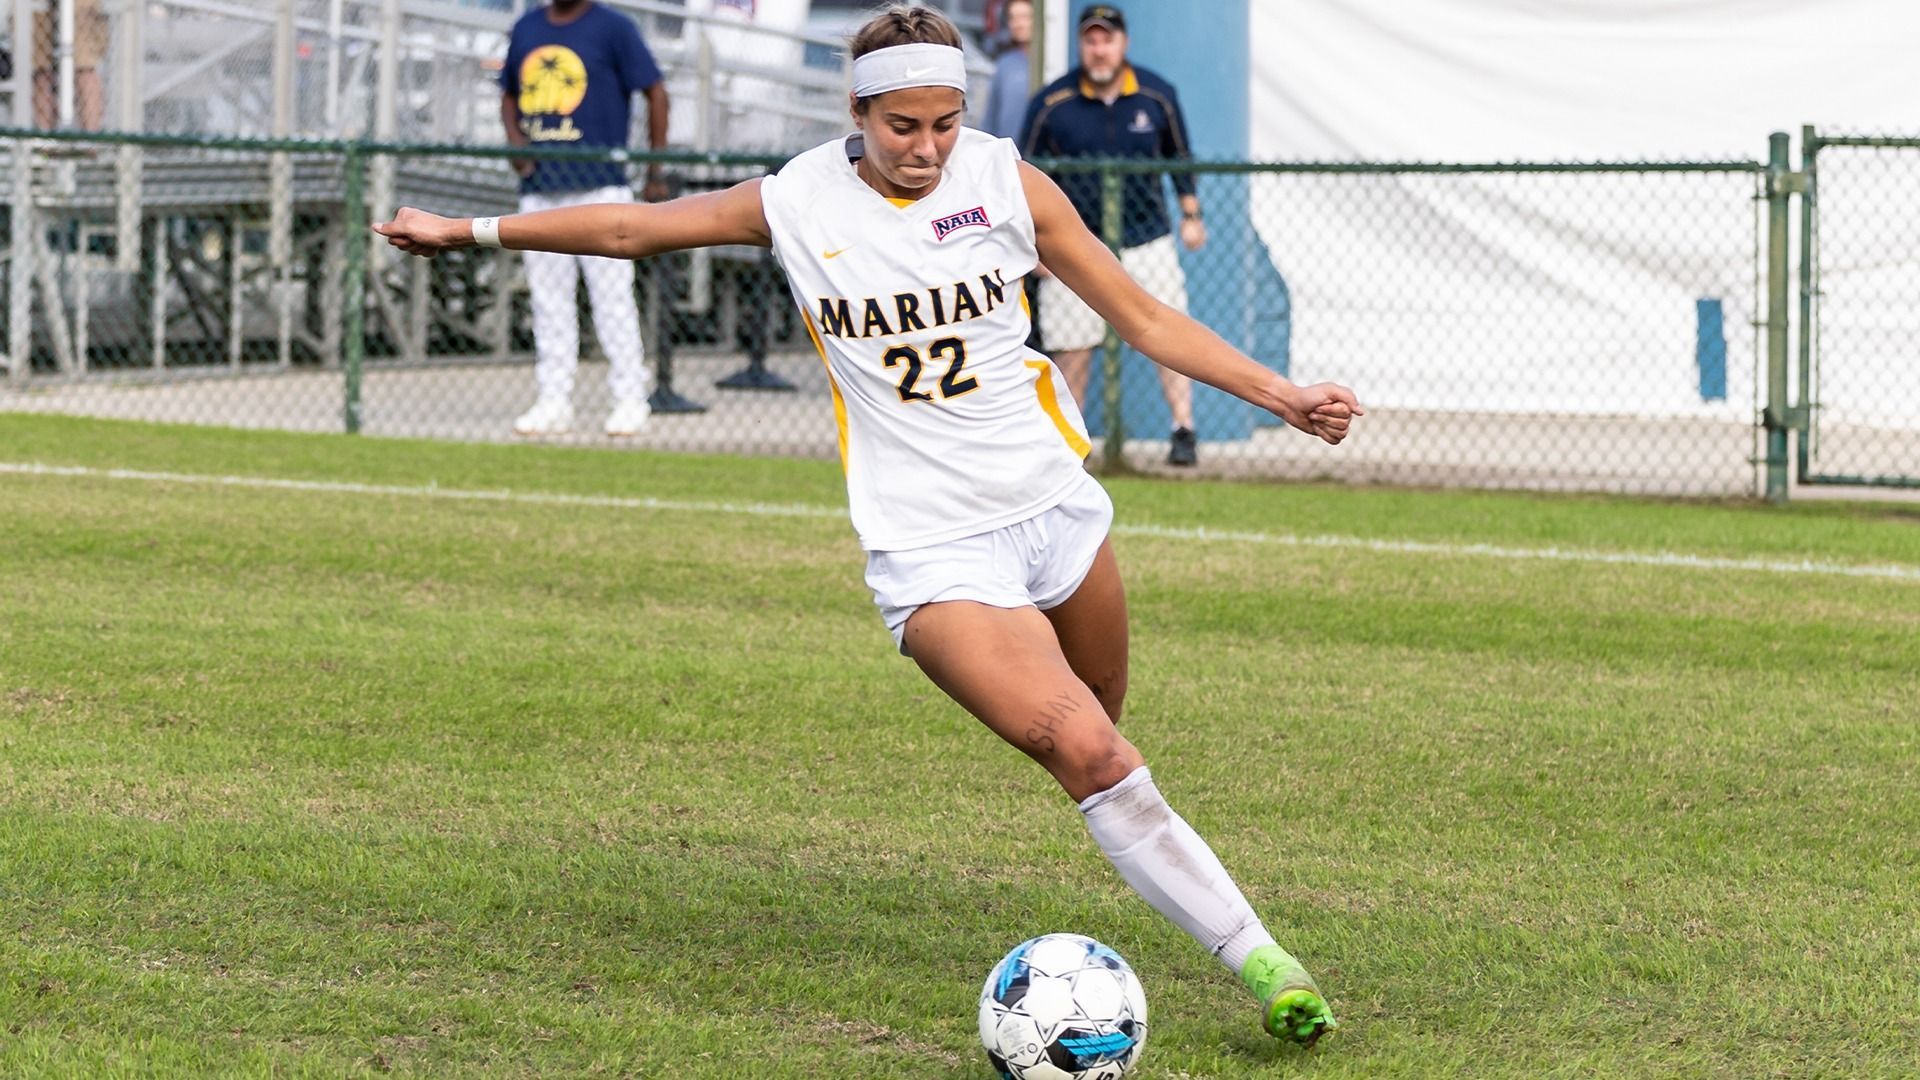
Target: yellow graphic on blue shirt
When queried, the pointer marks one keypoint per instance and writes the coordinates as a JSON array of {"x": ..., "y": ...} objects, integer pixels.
[{"x": 553, "y": 83}]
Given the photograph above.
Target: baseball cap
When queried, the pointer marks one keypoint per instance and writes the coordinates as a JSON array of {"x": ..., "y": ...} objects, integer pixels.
[{"x": 1105, "y": 15}]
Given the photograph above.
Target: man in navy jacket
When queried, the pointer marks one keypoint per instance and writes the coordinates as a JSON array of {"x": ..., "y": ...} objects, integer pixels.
[{"x": 1108, "y": 107}]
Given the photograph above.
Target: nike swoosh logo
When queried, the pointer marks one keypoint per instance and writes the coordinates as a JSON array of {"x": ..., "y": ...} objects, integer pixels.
[
  {"x": 834, "y": 254},
  {"x": 915, "y": 73}
]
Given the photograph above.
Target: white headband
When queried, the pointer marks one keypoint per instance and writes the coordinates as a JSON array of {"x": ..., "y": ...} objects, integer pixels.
[{"x": 901, "y": 66}]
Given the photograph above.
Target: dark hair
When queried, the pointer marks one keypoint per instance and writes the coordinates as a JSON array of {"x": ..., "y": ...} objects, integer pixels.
[{"x": 901, "y": 24}]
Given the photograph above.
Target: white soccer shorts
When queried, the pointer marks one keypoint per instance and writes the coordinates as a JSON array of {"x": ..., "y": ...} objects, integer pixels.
[
  {"x": 1067, "y": 324},
  {"x": 1038, "y": 562}
]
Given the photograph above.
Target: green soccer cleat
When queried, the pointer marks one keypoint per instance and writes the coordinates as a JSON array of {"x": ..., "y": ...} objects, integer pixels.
[{"x": 1291, "y": 1005}]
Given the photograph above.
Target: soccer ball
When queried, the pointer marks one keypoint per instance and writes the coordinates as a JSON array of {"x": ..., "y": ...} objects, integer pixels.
[{"x": 1063, "y": 1007}]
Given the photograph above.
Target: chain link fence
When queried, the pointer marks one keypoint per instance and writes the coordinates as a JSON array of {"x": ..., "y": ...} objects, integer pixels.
[
  {"x": 471, "y": 345},
  {"x": 1555, "y": 327},
  {"x": 174, "y": 282},
  {"x": 1532, "y": 326},
  {"x": 1614, "y": 327},
  {"x": 1860, "y": 313}
]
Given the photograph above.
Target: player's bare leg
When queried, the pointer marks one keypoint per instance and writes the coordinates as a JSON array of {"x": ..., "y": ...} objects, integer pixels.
[
  {"x": 1178, "y": 390},
  {"x": 1077, "y": 366},
  {"x": 1004, "y": 665},
  {"x": 1007, "y": 668},
  {"x": 1092, "y": 629}
]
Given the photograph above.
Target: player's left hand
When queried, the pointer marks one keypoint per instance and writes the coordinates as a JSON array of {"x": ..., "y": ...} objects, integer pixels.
[
  {"x": 417, "y": 232},
  {"x": 1323, "y": 410},
  {"x": 1193, "y": 233}
]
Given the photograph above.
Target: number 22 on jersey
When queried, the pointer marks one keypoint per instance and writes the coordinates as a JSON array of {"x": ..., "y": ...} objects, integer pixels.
[{"x": 952, "y": 385}]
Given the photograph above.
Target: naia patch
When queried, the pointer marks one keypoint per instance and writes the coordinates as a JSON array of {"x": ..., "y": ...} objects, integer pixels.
[{"x": 946, "y": 225}]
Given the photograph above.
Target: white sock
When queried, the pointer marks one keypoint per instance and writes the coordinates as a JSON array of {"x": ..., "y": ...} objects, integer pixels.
[{"x": 1168, "y": 864}]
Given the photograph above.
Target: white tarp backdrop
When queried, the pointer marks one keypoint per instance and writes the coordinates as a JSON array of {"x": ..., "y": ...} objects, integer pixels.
[
  {"x": 1443, "y": 285},
  {"x": 738, "y": 37}
]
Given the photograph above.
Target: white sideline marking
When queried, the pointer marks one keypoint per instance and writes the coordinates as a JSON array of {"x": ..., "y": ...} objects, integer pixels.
[
  {"x": 1886, "y": 571},
  {"x": 429, "y": 491},
  {"x": 1895, "y": 571}
]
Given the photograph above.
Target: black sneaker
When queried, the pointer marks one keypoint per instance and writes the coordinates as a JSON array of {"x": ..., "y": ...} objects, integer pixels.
[{"x": 1184, "y": 449}]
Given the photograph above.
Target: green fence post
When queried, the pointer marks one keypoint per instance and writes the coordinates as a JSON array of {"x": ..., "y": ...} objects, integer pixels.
[
  {"x": 1780, "y": 184},
  {"x": 1803, "y": 408},
  {"x": 1110, "y": 230},
  {"x": 353, "y": 340}
]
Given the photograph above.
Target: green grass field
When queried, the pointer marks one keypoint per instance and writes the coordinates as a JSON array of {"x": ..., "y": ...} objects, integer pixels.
[{"x": 347, "y": 783}]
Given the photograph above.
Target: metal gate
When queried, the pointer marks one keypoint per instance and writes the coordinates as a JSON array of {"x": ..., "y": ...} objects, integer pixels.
[{"x": 1858, "y": 377}]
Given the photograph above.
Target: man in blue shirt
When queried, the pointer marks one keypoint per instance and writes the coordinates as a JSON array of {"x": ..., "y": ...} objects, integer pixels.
[
  {"x": 1007, "y": 94},
  {"x": 571, "y": 71},
  {"x": 1107, "y": 107}
]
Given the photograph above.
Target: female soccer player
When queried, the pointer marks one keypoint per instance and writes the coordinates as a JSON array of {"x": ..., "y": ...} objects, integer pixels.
[{"x": 905, "y": 244}]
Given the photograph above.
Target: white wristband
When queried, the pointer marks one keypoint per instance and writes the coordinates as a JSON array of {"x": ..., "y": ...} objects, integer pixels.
[{"x": 486, "y": 231}]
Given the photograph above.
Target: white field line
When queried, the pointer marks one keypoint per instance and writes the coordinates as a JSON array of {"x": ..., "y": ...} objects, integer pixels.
[{"x": 1670, "y": 559}]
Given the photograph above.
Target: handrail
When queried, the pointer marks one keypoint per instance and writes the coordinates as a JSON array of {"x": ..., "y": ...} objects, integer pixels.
[{"x": 689, "y": 157}]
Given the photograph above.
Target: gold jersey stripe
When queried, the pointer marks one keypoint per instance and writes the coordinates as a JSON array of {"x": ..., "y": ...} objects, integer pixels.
[
  {"x": 1050, "y": 404},
  {"x": 839, "y": 403}
]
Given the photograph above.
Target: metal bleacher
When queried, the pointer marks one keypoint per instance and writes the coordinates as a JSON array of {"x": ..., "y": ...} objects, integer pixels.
[{"x": 160, "y": 257}]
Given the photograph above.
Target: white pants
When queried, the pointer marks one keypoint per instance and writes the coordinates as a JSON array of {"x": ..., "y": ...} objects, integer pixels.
[
  {"x": 1067, "y": 324},
  {"x": 551, "y": 283},
  {"x": 1039, "y": 562}
]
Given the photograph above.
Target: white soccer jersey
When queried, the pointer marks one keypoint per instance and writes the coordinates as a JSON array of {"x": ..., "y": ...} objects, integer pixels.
[{"x": 949, "y": 424}]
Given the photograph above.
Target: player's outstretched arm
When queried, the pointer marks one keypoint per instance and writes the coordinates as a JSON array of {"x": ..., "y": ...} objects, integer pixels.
[
  {"x": 1166, "y": 336},
  {"x": 615, "y": 230}
]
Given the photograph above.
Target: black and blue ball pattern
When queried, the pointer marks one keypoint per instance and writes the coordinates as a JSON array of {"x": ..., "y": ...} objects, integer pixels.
[{"x": 1062, "y": 1007}]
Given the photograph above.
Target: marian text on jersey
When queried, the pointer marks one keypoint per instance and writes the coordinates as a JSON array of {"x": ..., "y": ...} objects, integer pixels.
[{"x": 923, "y": 308}]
